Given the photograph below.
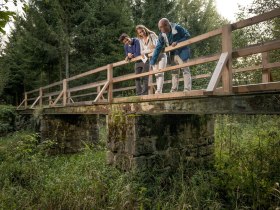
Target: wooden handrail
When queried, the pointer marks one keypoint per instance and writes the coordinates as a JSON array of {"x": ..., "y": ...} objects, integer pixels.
[
  {"x": 192, "y": 62},
  {"x": 257, "y": 19}
]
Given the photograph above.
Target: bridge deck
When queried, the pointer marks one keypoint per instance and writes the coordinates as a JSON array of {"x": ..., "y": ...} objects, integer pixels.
[{"x": 98, "y": 96}]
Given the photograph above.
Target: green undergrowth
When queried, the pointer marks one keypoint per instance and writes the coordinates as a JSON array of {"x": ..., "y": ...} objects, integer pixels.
[{"x": 246, "y": 174}]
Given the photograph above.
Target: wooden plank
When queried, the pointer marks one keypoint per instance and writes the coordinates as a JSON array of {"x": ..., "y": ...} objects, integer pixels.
[
  {"x": 52, "y": 85},
  {"x": 257, "y": 19},
  {"x": 273, "y": 65},
  {"x": 64, "y": 90},
  {"x": 35, "y": 102},
  {"x": 261, "y": 87},
  {"x": 257, "y": 48},
  {"x": 25, "y": 100},
  {"x": 192, "y": 62},
  {"x": 33, "y": 91},
  {"x": 194, "y": 40},
  {"x": 50, "y": 101},
  {"x": 218, "y": 72},
  {"x": 165, "y": 82},
  {"x": 110, "y": 82},
  {"x": 41, "y": 97},
  {"x": 227, "y": 48},
  {"x": 21, "y": 104},
  {"x": 265, "y": 70},
  {"x": 102, "y": 91},
  {"x": 51, "y": 94},
  {"x": 249, "y": 68},
  {"x": 87, "y": 73},
  {"x": 192, "y": 93},
  {"x": 87, "y": 86},
  {"x": 83, "y": 95},
  {"x": 57, "y": 99}
]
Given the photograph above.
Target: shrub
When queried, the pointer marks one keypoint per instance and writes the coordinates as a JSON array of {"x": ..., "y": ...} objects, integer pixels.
[{"x": 7, "y": 119}]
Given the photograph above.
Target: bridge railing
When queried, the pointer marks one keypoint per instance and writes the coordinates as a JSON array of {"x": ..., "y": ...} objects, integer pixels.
[{"x": 222, "y": 74}]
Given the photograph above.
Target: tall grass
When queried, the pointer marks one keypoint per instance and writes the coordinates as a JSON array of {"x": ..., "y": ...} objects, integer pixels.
[{"x": 246, "y": 174}]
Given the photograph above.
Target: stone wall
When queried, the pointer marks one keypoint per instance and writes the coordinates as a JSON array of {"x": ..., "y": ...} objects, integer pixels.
[
  {"x": 160, "y": 141},
  {"x": 71, "y": 132}
]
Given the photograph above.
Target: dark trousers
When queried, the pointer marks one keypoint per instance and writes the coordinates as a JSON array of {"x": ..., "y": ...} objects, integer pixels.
[{"x": 142, "y": 82}]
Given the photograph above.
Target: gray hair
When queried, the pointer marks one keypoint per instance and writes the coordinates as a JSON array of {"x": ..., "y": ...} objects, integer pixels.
[{"x": 164, "y": 20}]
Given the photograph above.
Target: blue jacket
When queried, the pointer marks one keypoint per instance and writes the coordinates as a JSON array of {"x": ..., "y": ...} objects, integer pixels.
[
  {"x": 178, "y": 34},
  {"x": 134, "y": 48}
]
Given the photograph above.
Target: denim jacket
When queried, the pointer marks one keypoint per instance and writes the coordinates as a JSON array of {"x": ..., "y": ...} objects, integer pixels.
[{"x": 178, "y": 34}]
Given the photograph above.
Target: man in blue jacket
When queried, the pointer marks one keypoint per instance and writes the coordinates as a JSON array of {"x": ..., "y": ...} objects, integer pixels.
[
  {"x": 132, "y": 49},
  {"x": 170, "y": 35}
]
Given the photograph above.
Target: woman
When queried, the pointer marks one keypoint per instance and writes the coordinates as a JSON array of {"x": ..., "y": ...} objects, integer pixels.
[{"x": 148, "y": 40}]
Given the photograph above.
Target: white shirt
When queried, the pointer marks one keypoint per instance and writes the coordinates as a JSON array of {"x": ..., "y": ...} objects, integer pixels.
[{"x": 149, "y": 46}]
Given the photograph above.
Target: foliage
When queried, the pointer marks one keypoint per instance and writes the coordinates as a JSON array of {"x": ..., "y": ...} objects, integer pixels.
[
  {"x": 247, "y": 157},
  {"x": 246, "y": 175},
  {"x": 7, "y": 119}
]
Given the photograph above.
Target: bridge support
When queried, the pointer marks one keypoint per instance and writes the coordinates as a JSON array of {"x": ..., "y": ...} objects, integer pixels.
[
  {"x": 71, "y": 132},
  {"x": 160, "y": 141}
]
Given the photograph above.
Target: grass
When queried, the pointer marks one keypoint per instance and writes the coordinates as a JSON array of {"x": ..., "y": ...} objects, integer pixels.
[{"x": 246, "y": 174}]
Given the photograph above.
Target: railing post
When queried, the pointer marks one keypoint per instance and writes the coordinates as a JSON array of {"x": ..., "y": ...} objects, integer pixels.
[
  {"x": 265, "y": 71},
  {"x": 110, "y": 80},
  {"x": 25, "y": 100},
  {"x": 41, "y": 97},
  {"x": 151, "y": 88},
  {"x": 64, "y": 99},
  {"x": 227, "y": 47},
  {"x": 50, "y": 100}
]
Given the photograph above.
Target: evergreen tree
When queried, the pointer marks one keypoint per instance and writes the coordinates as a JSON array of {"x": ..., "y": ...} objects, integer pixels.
[{"x": 55, "y": 34}]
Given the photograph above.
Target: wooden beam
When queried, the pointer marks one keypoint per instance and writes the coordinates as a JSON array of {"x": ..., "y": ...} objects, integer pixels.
[
  {"x": 192, "y": 93},
  {"x": 52, "y": 85},
  {"x": 87, "y": 73},
  {"x": 218, "y": 72},
  {"x": 227, "y": 48},
  {"x": 192, "y": 62},
  {"x": 257, "y": 48},
  {"x": 273, "y": 65},
  {"x": 261, "y": 87},
  {"x": 64, "y": 95},
  {"x": 249, "y": 68},
  {"x": 102, "y": 91},
  {"x": 257, "y": 19},
  {"x": 41, "y": 97},
  {"x": 265, "y": 70},
  {"x": 25, "y": 100},
  {"x": 33, "y": 91},
  {"x": 35, "y": 102},
  {"x": 87, "y": 86},
  {"x": 50, "y": 100},
  {"x": 51, "y": 94},
  {"x": 21, "y": 104},
  {"x": 57, "y": 99},
  {"x": 110, "y": 82}
]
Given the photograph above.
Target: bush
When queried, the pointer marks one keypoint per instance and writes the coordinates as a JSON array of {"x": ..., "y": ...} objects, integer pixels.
[
  {"x": 7, "y": 119},
  {"x": 246, "y": 174}
]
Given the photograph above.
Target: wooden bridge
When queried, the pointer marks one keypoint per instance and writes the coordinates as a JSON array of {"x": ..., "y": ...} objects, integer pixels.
[
  {"x": 156, "y": 130},
  {"x": 63, "y": 94}
]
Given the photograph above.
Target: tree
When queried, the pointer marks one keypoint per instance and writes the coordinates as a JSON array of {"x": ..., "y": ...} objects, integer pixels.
[{"x": 54, "y": 36}]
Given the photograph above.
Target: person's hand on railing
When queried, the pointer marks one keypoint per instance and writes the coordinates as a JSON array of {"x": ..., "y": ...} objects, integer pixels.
[
  {"x": 130, "y": 55},
  {"x": 174, "y": 44}
]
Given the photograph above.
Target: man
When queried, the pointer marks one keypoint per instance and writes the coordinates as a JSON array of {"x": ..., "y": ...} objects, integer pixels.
[
  {"x": 132, "y": 50},
  {"x": 171, "y": 34}
]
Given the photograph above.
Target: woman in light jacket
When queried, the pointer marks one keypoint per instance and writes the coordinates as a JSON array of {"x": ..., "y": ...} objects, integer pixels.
[{"x": 148, "y": 41}]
